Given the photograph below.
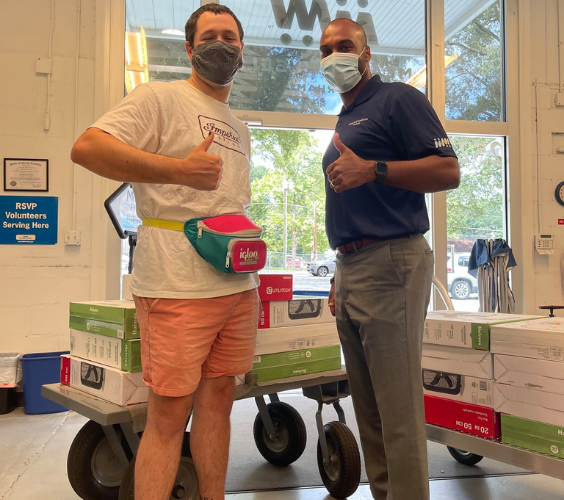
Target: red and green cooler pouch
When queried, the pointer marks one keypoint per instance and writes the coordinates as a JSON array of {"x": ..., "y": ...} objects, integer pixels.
[{"x": 230, "y": 243}]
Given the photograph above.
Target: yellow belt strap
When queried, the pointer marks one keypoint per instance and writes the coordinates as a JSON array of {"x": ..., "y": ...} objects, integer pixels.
[{"x": 164, "y": 224}]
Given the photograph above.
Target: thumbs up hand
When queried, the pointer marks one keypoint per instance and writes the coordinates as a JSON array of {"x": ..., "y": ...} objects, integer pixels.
[
  {"x": 349, "y": 170},
  {"x": 202, "y": 170},
  {"x": 339, "y": 145}
]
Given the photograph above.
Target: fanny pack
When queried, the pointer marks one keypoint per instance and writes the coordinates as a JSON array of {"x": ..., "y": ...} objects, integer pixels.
[{"x": 230, "y": 243}]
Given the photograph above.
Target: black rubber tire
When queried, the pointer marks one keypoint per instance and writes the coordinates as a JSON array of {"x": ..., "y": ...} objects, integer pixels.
[
  {"x": 291, "y": 434},
  {"x": 341, "y": 476},
  {"x": 185, "y": 484},
  {"x": 322, "y": 271},
  {"x": 461, "y": 289},
  {"x": 464, "y": 457},
  {"x": 93, "y": 471}
]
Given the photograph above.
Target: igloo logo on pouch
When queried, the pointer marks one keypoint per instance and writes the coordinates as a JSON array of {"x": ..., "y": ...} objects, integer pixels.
[
  {"x": 249, "y": 256},
  {"x": 224, "y": 134}
]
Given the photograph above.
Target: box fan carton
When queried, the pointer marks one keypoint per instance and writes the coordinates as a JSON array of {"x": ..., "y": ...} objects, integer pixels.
[
  {"x": 298, "y": 311},
  {"x": 292, "y": 338},
  {"x": 529, "y": 388},
  {"x": 108, "y": 383},
  {"x": 119, "y": 353},
  {"x": 113, "y": 318},
  {"x": 292, "y": 364},
  {"x": 458, "y": 374},
  {"x": 470, "y": 330},
  {"x": 541, "y": 339},
  {"x": 275, "y": 287},
  {"x": 531, "y": 435},
  {"x": 465, "y": 417}
]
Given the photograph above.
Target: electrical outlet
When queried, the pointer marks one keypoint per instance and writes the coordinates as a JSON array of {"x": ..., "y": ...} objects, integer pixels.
[
  {"x": 72, "y": 238},
  {"x": 559, "y": 99}
]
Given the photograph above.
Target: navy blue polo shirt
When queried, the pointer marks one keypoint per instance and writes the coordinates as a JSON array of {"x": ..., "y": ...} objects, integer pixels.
[{"x": 386, "y": 122}]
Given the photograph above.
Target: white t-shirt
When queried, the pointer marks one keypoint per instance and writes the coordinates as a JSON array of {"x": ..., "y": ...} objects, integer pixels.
[{"x": 170, "y": 119}]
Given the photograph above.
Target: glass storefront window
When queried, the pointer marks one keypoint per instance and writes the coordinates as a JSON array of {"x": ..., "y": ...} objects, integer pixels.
[
  {"x": 288, "y": 202},
  {"x": 474, "y": 77},
  {"x": 281, "y": 56},
  {"x": 281, "y": 60},
  {"x": 475, "y": 210}
]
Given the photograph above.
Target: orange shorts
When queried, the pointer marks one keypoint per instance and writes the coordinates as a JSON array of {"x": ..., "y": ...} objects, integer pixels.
[{"x": 183, "y": 340}]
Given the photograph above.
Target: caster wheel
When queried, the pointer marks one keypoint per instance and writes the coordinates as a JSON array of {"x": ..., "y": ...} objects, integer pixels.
[
  {"x": 290, "y": 439},
  {"x": 464, "y": 457},
  {"x": 341, "y": 475},
  {"x": 94, "y": 471}
]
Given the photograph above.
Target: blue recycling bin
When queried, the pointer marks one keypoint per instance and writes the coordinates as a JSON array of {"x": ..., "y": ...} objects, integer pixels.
[{"x": 39, "y": 369}]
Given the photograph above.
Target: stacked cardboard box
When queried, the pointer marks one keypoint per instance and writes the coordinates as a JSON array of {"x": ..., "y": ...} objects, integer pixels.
[
  {"x": 297, "y": 334},
  {"x": 529, "y": 384},
  {"x": 105, "y": 352},
  {"x": 458, "y": 372}
]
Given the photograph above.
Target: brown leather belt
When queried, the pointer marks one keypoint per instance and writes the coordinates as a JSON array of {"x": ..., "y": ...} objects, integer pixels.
[{"x": 355, "y": 246}]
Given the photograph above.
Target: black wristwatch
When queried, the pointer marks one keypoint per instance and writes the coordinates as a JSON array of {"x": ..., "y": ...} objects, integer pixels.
[{"x": 381, "y": 171}]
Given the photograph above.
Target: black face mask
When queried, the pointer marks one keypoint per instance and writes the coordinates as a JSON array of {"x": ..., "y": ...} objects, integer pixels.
[{"x": 217, "y": 61}]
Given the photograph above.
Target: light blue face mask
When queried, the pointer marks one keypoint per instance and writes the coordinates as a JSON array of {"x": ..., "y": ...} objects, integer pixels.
[{"x": 340, "y": 71}]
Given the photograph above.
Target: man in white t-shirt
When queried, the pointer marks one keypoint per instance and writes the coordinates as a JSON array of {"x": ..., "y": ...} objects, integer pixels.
[{"x": 186, "y": 156}]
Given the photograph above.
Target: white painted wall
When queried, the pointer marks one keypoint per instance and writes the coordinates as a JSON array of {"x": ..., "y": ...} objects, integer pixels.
[
  {"x": 37, "y": 282},
  {"x": 545, "y": 167}
]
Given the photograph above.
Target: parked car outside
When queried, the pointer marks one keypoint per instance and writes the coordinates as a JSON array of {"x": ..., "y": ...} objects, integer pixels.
[
  {"x": 461, "y": 284},
  {"x": 322, "y": 267}
]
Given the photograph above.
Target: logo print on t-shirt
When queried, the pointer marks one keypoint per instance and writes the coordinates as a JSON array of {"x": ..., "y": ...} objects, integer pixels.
[{"x": 225, "y": 135}]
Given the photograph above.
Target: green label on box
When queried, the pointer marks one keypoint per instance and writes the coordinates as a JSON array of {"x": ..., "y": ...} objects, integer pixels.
[
  {"x": 128, "y": 331},
  {"x": 110, "y": 351},
  {"x": 131, "y": 355},
  {"x": 296, "y": 357},
  {"x": 480, "y": 335},
  {"x": 111, "y": 311},
  {"x": 531, "y": 435},
  {"x": 287, "y": 371}
]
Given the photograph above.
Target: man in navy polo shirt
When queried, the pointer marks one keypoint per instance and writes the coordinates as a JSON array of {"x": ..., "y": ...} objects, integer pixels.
[{"x": 389, "y": 149}]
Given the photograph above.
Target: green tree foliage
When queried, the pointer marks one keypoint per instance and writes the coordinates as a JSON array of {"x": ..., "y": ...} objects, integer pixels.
[
  {"x": 291, "y": 157},
  {"x": 475, "y": 209},
  {"x": 474, "y": 79}
]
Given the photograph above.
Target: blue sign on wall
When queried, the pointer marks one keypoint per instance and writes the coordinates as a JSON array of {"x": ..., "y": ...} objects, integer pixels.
[{"x": 29, "y": 220}]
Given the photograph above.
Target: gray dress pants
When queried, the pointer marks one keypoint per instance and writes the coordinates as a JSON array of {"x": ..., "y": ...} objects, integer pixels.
[{"x": 382, "y": 295}]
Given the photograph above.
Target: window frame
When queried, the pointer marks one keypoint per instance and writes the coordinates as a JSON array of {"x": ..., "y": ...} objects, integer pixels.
[{"x": 109, "y": 84}]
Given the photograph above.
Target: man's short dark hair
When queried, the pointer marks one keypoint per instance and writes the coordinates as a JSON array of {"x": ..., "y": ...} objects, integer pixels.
[{"x": 214, "y": 8}]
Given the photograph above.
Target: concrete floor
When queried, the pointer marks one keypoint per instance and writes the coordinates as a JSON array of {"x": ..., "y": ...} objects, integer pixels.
[{"x": 34, "y": 448}]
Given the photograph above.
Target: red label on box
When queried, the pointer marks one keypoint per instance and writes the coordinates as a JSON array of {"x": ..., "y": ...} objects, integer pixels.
[
  {"x": 560, "y": 222},
  {"x": 65, "y": 370},
  {"x": 264, "y": 320},
  {"x": 275, "y": 287},
  {"x": 464, "y": 417}
]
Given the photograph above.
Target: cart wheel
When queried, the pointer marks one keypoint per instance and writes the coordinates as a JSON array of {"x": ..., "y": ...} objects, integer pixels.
[
  {"x": 93, "y": 470},
  {"x": 291, "y": 436},
  {"x": 186, "y": 482},
  {"x": 464, "y": 457},
  {"x": 341, "y": 476}
]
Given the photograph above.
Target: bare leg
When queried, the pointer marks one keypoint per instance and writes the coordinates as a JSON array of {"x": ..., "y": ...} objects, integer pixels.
[
  {"x": 210, "y": 433},
  {"x": 159, "y": 451}
]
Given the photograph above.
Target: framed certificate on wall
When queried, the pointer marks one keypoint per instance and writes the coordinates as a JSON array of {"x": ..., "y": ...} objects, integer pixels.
[{"x": 26, "y": 174}]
